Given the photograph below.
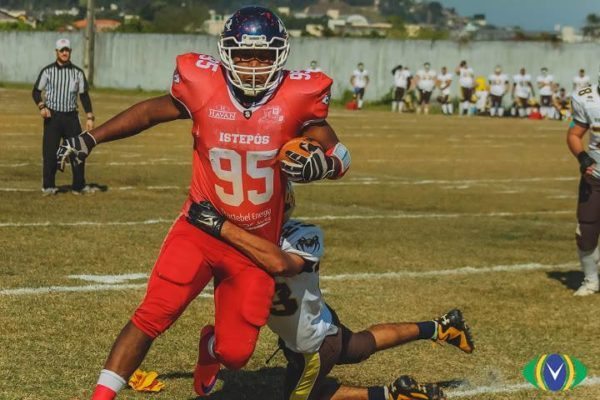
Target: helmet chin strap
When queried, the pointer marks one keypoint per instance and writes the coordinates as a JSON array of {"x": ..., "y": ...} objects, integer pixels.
[{"x": 247, "y": 98}]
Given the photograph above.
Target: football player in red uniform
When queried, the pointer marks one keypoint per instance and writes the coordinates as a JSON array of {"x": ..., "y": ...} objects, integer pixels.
[{"x": 243, "y": 108}]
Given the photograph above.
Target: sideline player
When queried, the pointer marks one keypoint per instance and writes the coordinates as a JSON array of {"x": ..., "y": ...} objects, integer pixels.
[
  {"x": 586, "y": 116},
  {"x": 444, "y": 81},
  {"x": 482, "y": 93},
  {"x": 402, "y": 79},
  {"x": 580, "y": 81},
  {"x": 244, "y": 109},
  {"x": 314, "y": 67},
  {"x": 359, "y": 81},
  {"x": 425, "y": 83},
  {"x": 467, "y": 83},
  {"x": 561, "y": 103},
  {"x": 498, "y": 87},
  {"x": 311, "y": 335},
  {"x": 522, "y": 90},
  {"x": 545, "y": 83}
]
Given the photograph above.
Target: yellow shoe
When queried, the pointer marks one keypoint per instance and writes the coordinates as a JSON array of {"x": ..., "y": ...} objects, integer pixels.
[
  {"x": 453, "y": 329},
  {"x": 407, "y": 388}
]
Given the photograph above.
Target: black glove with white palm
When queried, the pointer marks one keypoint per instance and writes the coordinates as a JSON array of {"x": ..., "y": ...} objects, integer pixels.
[
  {"x": 205, "y": 216},
  {"x": 307, "y": 165},
  {"x": 75, "y": 149}
]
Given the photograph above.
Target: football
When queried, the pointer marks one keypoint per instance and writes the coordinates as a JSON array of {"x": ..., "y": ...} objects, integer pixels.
[{"x": 294, "y": 145}]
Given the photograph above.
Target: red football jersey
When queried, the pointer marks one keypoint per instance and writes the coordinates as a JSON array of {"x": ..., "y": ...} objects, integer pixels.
[{"x": 235, "y": 163}]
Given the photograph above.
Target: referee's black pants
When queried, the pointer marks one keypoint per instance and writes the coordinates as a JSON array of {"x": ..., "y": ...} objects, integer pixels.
[{"x": 60, "y": 125}]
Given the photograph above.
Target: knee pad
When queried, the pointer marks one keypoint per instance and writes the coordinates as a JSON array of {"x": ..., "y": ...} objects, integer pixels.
[
  {"x": 257, "y": 291},
  {"x": 587, "y": 234},
  {"x": 233, "y": 353}
]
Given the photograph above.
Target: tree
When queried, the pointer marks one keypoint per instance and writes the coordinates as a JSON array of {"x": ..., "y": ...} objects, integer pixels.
[
  {"x": 398, "y": 30},
  {"x": 592, "y": 26},
  {"x": 434, "y": 13}
]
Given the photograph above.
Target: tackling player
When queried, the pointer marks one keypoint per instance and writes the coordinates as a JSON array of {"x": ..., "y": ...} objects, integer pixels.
[
  {"x": 467, "y": 83},
  {"x": 311, "y": 335},
  {"x": 521, "y": 92},
  {"x": 359, "y": 81},
  {"x": 498, "y": 87},
  {"x": 586, "y": 116},
  {"x": 243, "y": 108},
  {"x": 402, "y": 78},
  {"x": 425, "y": 83},
  {"x": 444, "y": 81},
  {"x": 545, "y": 82}
]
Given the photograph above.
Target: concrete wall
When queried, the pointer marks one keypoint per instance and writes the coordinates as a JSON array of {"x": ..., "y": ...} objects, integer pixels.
[{"x": 147, "y": 61}]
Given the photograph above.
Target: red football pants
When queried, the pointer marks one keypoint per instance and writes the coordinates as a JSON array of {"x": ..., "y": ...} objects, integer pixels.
[{"x": 189, "y": 258}]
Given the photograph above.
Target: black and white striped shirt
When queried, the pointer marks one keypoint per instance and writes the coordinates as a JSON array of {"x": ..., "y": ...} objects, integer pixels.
[{"x": 62, "y": 84}]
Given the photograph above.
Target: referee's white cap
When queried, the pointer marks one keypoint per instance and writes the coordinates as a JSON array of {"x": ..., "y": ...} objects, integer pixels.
[{"x": 62, "y": 43}]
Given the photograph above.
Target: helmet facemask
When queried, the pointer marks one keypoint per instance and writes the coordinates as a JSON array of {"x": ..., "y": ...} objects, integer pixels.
[{"x": 267, "y": 75}]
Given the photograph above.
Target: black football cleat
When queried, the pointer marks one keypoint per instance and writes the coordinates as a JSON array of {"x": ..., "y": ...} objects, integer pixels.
[
  {"x": 407, "y": 388},
  {"x": 453, "y": 329}
]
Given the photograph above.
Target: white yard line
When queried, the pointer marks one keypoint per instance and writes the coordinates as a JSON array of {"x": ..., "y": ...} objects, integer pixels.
[
  {"x": 159, "y": 161},
  {"x": 309, "y": 218},
  {"x": 326, "y": 278},
  {"x": 86, "y": 223},
  {"x": 378, "y": 180},
  {"x": 431, "y": 215},
  {"x": 63, "y": 289},
  {"x": 9, "y": 189},
  {"x": 444, "y": 272},
  {"x": 86, "y": 288},
  {"x": 358, "y": 181},
  {"x": 109, "y": 278},
  {"x": 589, "y": 381}
]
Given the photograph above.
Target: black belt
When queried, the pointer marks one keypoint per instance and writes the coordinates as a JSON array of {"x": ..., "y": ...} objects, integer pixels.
[{"x": 63, "y": 112}]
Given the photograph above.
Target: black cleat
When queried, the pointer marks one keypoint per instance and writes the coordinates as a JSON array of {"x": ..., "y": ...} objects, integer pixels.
[
  {"x": 407, "y": 388},
  {"x": 453, "y": 329}
]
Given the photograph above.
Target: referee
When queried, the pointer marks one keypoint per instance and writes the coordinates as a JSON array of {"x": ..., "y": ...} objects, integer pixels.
[{"x": 62, "y": 81}]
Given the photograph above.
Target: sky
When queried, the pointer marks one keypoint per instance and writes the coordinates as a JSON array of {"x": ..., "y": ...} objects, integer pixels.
[{"x": 528, "y": 14}]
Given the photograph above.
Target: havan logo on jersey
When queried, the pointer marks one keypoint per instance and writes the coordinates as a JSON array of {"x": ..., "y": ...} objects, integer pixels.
[
  {"x": 555, "y": 372},
  {"x": 241, "y": 138},
  {"x": 221, "y": 113}
]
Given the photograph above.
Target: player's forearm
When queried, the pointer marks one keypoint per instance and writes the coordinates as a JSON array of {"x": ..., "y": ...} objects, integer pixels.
[
  {"x": 137, "y": 118},
  {"x": 263, "y": 253}
]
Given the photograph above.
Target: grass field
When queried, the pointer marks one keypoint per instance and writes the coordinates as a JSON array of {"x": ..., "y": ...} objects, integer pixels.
[{"x": 426, "y": 197}]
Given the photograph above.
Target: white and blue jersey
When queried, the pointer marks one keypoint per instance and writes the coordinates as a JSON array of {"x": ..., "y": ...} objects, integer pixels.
[{"x": 299, "y": 315}]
